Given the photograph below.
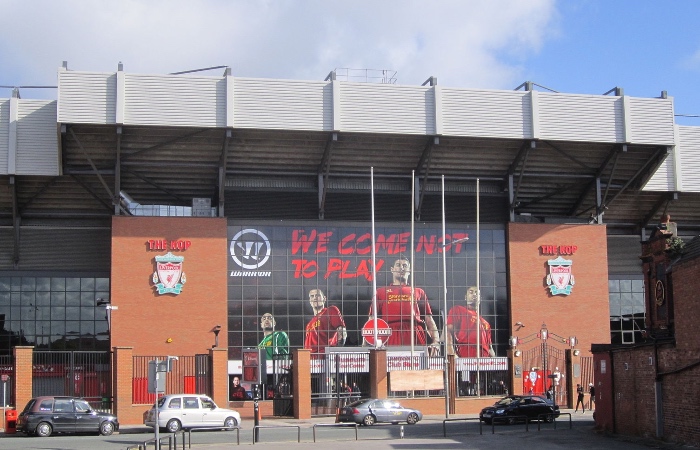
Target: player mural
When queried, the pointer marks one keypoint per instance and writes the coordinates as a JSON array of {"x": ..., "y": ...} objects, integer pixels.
[
  {"x": 465, "y": 327},
  {"x": 282, "y": 269},
  {"x": 274, "y": 342},
  {"x": 396, "y": 306},
  {"x": 326, "y": 328}
]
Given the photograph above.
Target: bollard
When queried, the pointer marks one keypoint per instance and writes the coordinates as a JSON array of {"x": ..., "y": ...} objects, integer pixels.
[
  {"x": 401, "y": 432},
  {"x": 256, "y": 412}
]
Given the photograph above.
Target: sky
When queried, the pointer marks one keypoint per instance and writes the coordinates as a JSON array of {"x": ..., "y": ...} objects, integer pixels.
[{"x": 572, "y": 46}]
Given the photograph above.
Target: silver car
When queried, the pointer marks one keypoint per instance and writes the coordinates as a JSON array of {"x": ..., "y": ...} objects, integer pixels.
[
  {"x": 372, "y": 410},
  {"x": 187, "y": 411}
]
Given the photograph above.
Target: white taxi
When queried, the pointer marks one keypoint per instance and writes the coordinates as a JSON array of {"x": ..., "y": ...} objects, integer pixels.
[{"x": 187, "y": 411}]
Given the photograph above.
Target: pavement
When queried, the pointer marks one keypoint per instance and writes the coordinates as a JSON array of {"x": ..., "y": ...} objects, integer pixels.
[{"x": 460, "y": 435}]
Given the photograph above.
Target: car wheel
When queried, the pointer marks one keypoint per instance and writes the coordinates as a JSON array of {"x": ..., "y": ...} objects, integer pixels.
[
  {"x": 412, "y": 419},
  {"x": 106, "y": 428},
  {"x": 230, "y": 422},
  {"x": 44, "y": 429},
  {"x": 173, "y": 425},
  {"x": 511, "y": 421},
  {"x": 369, "y": 420},
  {"x": 549, "y": 418}
]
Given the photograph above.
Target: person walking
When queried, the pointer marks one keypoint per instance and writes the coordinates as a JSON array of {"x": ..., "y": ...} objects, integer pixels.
[
  {"x": 579, "y": 391},
  {"x": 591, "y": 400}
]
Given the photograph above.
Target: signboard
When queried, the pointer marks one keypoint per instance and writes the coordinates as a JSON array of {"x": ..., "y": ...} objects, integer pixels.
[{"x": 383, "y": 332}]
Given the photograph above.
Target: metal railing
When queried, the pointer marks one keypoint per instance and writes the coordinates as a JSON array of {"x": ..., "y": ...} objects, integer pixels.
[
  {"x": 338, "y": 425},
  {"x": 190, "y": 375}
]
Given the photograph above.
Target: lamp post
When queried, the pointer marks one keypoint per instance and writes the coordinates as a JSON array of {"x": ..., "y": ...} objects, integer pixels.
[
  {"x": 109, "y": 307},
  {"x": 544, "y": 334},
  {"x": 216, "y": 330}
]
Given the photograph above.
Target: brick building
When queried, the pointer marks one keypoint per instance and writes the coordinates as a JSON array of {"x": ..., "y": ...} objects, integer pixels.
[
  {"x": 649, "y": 388},
  {"x": 151, "y": 215}
]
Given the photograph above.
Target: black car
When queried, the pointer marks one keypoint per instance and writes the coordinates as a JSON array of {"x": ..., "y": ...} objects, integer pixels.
[
  {"x": 46, "y": 415},
  {"x": 517, "y": 408}
]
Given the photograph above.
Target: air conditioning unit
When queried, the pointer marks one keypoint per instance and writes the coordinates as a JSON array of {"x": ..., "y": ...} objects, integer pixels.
[{"x": 201, "y": 207}]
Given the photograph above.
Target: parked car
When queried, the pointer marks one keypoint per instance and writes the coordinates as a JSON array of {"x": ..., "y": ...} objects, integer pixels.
[
  {"x": 187, "y": 411},
  {"x": 43, "y": 416},
  {"x": 371, "y": 410},
  {"x": 514, "y": 408}
]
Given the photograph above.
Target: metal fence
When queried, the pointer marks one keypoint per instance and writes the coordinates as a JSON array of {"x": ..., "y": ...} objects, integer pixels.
[
  {"x": 74, "y": 373},
  {"x": 541, "y": 362},
  {"x": 337, "y": 379},
  {"x": 190, "y": 375},
  {"x": 7, "y": 381}
]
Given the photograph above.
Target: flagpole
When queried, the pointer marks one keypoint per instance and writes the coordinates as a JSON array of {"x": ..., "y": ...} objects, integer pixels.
[
  {"x": 374, "y": 266},
  {"x": 478, "y": 297},
  {"x": 413, "y": 215},
  {"x": 444, "y": 303}
]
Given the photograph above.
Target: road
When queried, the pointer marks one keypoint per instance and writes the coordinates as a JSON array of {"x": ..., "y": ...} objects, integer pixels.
[{"x": 284, "y": 434}]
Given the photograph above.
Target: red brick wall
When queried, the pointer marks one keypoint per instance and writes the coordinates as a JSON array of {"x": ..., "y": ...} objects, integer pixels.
[
  {"x": 686, "y": 285},
  {"x": 585, "y": 312},
  {"x": 146, "y": 320}
]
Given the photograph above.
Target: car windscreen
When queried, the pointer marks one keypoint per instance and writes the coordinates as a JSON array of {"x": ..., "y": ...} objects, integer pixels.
[{"x": 507, "y": 401}]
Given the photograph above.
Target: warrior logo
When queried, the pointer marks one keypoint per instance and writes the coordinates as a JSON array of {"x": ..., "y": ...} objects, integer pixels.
[
  {"x": 560, "y": 280},
  {"x": 169, "y": 273},
  {"x": 250, "y": 249}
]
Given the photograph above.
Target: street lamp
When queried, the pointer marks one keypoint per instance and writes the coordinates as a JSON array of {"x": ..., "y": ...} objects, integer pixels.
[
  {"x": 216, "y": 330},
  {"x": 544, "y": 334},
  {"x": 108, "y": 309}
]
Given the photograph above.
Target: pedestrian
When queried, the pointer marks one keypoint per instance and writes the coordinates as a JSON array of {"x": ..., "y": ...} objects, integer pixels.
[
  {"x": 579, "y": 391},
  {"x": 591, "y": 391}
]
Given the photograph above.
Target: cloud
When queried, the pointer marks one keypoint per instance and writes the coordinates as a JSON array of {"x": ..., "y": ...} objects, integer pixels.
[{"x": 480, "y": 44}]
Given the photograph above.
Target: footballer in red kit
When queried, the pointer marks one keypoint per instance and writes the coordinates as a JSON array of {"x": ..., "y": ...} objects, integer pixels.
[
  {"x": 462, "y": 329},
  {"x": 327, "y": 328},
  {"x": 394, "y": 305}
]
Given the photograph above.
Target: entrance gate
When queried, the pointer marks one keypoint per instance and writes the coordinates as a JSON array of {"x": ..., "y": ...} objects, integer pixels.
[
  {"x": 545, "y": 366},
  {"x": 81, "y": 374}
]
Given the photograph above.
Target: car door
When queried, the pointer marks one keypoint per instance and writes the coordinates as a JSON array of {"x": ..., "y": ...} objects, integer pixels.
[
  {"x": 394, "y": 412},
  {"x": 381, "y": 411},
  {"x": 539, "y": 406},
  {"x": 210, "y": 416},
  {"x": 191, "y": 412},
  {"x": 63, "y": 417},
  {"x": 85, "y": 419}
]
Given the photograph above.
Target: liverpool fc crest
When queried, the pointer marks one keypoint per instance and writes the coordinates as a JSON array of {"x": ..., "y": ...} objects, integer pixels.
[
  {"x": 560, "y": 280},
  {"x": 169, "y": 277}
]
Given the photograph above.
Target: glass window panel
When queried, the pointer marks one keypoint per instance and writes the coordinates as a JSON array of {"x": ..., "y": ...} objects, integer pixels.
[
  {"x": 16, "y": 284},
  {"x": 58, "y": 314},
  {"x": 73, "y": 298},
  {"x": 87, "y": 313},
  {"x": 87, "y": 298},
  {"x": 638, "y": 285},
  {"x": 87, "y": 327},
  {"x": 614, "y": 285},
  {"x": 4, "y": 298},
  {"x": 43, "y": 299},
  {"x": 28, "y": 284},
  {"x": 58, "y": 299},
  {"x": 58, "y": 328},
  {"x": 101, "y": 327},
  {"x": 625, "y": 285},
  {"x": 43, "y": 284},
  {"x": 87, "y": 284},
  {"x": 102, "y": 284},
  {"x": 58, "y": 284},
  {"x": 5, "y": 283},
  {"x": 73, "y": 284},
  {"x": 72, "y": 327},
  {"x": 72, "y": 313}
]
